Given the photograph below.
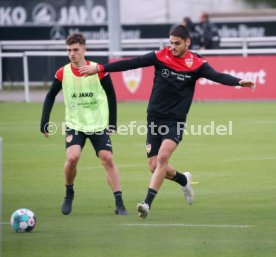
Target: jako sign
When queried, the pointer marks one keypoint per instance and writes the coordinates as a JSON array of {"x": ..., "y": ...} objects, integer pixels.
[{"x": 52, "y": 12}]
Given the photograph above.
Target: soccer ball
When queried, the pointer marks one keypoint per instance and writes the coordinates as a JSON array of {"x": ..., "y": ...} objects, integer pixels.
[{"x": 23, "y": 220}]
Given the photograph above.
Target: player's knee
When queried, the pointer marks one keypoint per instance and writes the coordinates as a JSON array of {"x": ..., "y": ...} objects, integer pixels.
[
  {"x": 72, "y": 160},
  {"x": 152, "y": 164},
  {"x": 106, "y": 158},
  {"x": 162, "y": 158}
]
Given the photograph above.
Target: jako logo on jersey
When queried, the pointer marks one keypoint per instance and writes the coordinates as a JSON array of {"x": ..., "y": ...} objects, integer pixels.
[
  {"x": 86, "y": 94},
  {"x": 189, "y": 62},
  {"x": 132, "y": 79},
  {"x": 82, "y": 94}
]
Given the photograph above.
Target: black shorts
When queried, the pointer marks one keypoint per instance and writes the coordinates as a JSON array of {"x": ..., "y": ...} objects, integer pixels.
[
  {"x": 100, "y": 140},
  {"x": 161, "y": 129}
]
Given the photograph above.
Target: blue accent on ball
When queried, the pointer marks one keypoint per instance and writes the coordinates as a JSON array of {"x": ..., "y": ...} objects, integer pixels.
[{"x": 21, "y": 217}]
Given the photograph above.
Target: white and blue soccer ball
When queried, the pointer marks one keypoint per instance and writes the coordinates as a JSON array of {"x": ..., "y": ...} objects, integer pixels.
[{"x": 23, "y": 220}]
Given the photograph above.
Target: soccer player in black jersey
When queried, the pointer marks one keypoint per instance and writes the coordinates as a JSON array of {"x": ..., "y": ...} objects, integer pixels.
[{"x": 176, "y": 72}]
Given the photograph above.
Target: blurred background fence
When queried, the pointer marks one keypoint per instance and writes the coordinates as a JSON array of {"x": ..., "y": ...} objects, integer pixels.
[{"x": 32, "y": 37}]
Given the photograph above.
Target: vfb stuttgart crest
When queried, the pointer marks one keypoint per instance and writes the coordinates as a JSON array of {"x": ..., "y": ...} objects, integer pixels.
[
  {"x": 132, "y": 79},
  {"x": 69, "y": 138},
  {"x": 148, "y": 148},
  {"x": 189, "y": 62}
]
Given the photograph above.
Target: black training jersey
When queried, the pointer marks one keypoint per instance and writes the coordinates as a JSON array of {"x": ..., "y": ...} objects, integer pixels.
[{"x": 174, "y": 80}]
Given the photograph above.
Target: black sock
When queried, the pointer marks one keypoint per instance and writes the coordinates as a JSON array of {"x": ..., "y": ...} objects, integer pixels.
[
  {"x": 180, "y": 179},
  {"x": 70, "y": 191},
  {"x": 150, "y": 196},
  {"x": 118, "y": 199}
]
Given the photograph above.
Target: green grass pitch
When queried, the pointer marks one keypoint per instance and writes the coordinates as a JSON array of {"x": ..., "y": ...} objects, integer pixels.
[{"x": 234, "y": 214}]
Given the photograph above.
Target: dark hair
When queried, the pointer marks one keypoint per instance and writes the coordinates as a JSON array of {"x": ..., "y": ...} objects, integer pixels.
[
  {"x": 75, "y": 38},
  {"x": 188, "y": 23},
  {"x": 180, "y": 31}
]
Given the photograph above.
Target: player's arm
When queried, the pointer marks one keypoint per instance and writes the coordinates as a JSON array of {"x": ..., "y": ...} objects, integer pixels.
[
  {"x": 206, "y": 71},
  {"x": 129, "y": 64},
  {"x": 107, "y": 85},
  {"x": 48, "y": 105}
]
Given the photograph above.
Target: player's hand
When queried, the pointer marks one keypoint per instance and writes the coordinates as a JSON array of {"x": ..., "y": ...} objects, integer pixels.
[
  {"x": 247, "y": 83},
  {"x": 44, "y": 129},
  {"x": 88, "y": 70},
  {"x": 111, "y": 130}
]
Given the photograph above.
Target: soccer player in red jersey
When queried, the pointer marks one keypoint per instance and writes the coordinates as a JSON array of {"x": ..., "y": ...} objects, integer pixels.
[{"x": 176, "y": 72}]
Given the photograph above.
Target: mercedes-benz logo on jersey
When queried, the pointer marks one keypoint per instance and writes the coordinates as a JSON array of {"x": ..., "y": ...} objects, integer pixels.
[
  {"x": 165, "y": 73},
  {"x": 43, "y": 13},
  {"x": 57, "y": 33}
]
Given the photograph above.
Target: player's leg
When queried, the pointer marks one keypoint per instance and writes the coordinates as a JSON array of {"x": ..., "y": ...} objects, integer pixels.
[
  {"x": 70, "y": 167},
  {"x": 112, "y": 173},
  {"x": 162, "y": 159},
  {"x": 153, "y": 144},
  {"x": 184, "y": 179},
  {"x": 113, "y": 180},
  {"x": 171, "y": 171},
  {"x": 75, "y": 141},
  {"x": 165, "y": 130},
  {"x": 160, "y": 146},
  {"x": 175, "y": 133},
  {"x": 103, "y": 148}
]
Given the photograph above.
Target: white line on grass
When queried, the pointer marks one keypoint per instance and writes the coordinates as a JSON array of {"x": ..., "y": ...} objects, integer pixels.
[
  {"x": 260, "y": 121},
  {"x": 188, "y": 225},
  {"x": 119, "y": 166},
  {"x": 252, "y": 159},
  {"x": 5, "y": 223}
]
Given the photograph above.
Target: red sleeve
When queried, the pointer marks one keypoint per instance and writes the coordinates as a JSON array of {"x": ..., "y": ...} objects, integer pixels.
[
  {"x": 101, "y": 67},
  {"x": 102, "y": 74},
  {"x": 59, "y": 74}
]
